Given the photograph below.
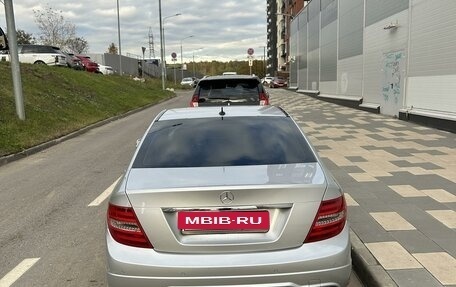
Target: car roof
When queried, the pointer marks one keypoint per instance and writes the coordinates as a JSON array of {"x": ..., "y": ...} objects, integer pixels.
[
  {"x": 229, "y": 111},
  {"x": 225, "y": 77}
]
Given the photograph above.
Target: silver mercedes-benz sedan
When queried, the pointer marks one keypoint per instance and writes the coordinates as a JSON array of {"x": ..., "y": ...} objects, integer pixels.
[{"x": 227, "y": 196}]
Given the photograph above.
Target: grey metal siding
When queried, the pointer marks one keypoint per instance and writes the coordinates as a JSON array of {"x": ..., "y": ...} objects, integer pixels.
[
  {"x": 313, "y": 55},
  {"x": 350, "y": 76},
  {"x": 328, "y": 12},
  {"x": 351, "y": 24},
  {"x": 377, "y": 43},
  {"x": 329, "y": 52},
  {"x": 433, "y": 38},
  {"x": 302, "y": 50},
  {"x": 294, "y": 53},
  {"x": 377, "y": 10}
]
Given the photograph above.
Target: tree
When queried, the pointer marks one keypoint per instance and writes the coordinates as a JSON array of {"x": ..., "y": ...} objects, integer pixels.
[
  {"x": 55, "y": 30},
  {"x": 112, "y": 49},
  {"x": 78, "y": 45},
  {"x": 24, "y": 37}
]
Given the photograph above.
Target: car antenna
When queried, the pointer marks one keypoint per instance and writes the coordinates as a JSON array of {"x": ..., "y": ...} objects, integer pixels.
[{"x": 222, "y": 113}]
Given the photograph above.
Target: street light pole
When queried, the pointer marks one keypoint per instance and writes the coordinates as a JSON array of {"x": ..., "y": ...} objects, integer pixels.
[
  {"x": 182, "y": 59},
  {"x": 164, "y": 43},
  {"x": 194, "y": 73},
  {"x": 15, "y": 66},
  {"x": 161, "y": 45},
  {"x": 118, "y": 32}
]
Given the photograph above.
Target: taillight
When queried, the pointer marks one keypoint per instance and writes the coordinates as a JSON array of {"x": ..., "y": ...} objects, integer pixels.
[
  {"x": 194, "y": 101},
  {"x": 330, "y": 220},
  {"x": 264, "y": 100},
  {"x": 125, "y": 228}
]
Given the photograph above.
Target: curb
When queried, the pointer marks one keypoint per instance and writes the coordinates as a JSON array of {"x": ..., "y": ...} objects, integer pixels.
[
  {"x": 33, "y": 150},
  {"x": 369, "y": 271}
]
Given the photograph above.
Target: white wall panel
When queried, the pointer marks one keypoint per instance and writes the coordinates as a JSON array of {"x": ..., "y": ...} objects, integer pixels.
[
  {"x": 433, "y": 38},
  {"x": 432, "y": 93},
  {"x": 328, "y": 88},
  {"x": 377, "y": 43},
  {"x": 349, "y": 76},
  {"x": 432, "y": 68}
]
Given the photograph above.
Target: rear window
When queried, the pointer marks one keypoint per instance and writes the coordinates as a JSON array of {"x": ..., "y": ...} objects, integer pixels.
[
  {"x": 236, "y": 141},
  {"x": 229, "y": 89}
]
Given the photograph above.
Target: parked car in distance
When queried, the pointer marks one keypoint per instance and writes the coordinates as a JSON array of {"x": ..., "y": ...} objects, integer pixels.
[
  {"x": 89, "y": 65},
  {"x": 278, "y": 82},
  {"x": 105, "y": 70},
  {"x": 229, "y": 90},
  {"x": 266, "y": 80},
  {"x": 252, "y": 206},
  {"x": 188, "y": 82},
  {"x": 73, "y": 61},
  {"x": 40, "y": 54}
]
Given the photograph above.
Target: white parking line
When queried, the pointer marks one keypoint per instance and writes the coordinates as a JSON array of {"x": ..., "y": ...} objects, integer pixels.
[
  {"x": 17, "y": 272},
  {"x": 104, "y": 195}
]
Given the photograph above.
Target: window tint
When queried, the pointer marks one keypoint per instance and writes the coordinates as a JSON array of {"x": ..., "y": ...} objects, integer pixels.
[
  {"x": 223, "y": 142},
  {"x": 233, "y": 89}
]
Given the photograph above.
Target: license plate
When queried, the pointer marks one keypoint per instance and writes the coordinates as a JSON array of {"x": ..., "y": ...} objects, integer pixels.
[{"x": 247, "y": 221}]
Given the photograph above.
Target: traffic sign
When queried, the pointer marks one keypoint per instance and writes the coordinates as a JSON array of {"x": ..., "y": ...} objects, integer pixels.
[
  {"x": 250, "y": 51},
  {"x": 174, "y": 55}
]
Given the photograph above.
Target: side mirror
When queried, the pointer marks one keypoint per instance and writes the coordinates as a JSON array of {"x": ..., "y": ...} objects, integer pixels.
[{"x": 3, "y": 41}]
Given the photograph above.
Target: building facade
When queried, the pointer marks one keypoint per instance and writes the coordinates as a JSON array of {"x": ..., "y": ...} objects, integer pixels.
[
  {"x": 271, "y": 12},
  {"x": 394, "y": 56}
]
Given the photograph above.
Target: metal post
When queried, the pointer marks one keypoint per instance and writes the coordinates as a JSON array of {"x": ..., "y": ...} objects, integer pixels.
[
  {"x": 161, "y": 45},
  {"x": 164, "y": 42},
  {"x": 264, "y": 60},
  {"x": 194, "y": 64},
  {"x": 118, "y": 32},
  {"x": 14, "y": 58},
  {"x": 182, "y": 61},
  {"x": 182, "y": 64}
]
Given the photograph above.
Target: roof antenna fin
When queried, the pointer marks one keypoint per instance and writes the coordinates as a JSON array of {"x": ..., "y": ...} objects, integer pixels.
[{"x": 222, "y": 113}]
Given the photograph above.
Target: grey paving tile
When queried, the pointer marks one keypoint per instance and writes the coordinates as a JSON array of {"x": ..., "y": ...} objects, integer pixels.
[
  {"x": 428, "y": 226},
  {"x": 449, "y": 142},
  {"x": 426, "y": 166},
  {"x": 367, "y": 229},
  {"x": 356, "y": 158},
  {"x": 414, "y": 278},
  {"x": 447, "y": 244},
  {"x": 420, "y": 182},
  {"x": 352, "y": 169},
  {"x": 400, "y": 152},
  {"x": 377, "y": 137},
  {"x": 370, "y": 147},
  {"x": 434, "y": 152},
  {"x": 415, "y": 242},
  {"x": 426, "y": 203},
  {"x": 322, "y": 147},
  {"x": 377, "y": 205}
]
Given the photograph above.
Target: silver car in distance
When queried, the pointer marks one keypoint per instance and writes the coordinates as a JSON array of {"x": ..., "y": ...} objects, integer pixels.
[{"x": 227, "y": 196}]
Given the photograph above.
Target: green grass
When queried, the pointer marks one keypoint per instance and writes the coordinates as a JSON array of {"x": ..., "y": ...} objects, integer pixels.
[{"x": 59, "y": 101}]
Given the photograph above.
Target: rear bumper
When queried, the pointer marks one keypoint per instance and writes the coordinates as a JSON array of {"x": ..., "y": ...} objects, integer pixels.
[{"x": 324, "y": 263}]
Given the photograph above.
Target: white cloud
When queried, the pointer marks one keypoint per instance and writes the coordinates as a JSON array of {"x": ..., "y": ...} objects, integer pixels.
[{"x": 224, "y": 29}]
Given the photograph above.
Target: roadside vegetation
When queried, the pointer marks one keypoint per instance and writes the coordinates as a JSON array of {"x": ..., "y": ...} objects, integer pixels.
[{"x": 59, "y": 101}]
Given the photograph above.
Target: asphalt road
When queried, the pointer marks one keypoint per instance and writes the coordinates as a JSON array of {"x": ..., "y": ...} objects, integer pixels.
[{"x": 49, "y": 235}]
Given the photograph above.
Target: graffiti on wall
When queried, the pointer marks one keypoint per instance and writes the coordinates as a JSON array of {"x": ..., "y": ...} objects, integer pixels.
[{"x": 392, "y": 66}]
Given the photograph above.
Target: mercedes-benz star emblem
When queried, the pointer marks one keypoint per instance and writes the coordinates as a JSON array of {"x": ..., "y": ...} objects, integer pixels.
[{"x": 226, "y": 197}]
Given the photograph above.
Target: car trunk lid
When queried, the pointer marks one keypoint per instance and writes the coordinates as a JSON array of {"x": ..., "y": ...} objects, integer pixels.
[{"x": 287, "y": 197}]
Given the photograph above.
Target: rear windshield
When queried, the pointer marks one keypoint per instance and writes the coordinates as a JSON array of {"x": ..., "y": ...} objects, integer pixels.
[
  {"x": 229, "y": 89},
  {"x": 233, "y": 141}
]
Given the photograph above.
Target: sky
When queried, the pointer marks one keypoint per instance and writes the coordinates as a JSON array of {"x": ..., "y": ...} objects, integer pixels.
[{"x": 221, "y": 30}]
